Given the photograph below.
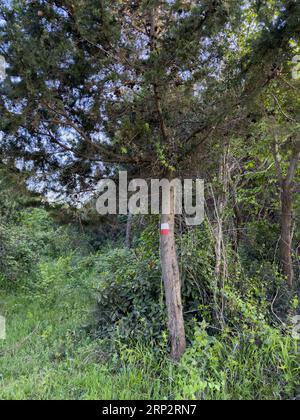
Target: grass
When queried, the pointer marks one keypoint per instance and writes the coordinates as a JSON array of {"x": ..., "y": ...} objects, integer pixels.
[{"x": 48, "y": 354}]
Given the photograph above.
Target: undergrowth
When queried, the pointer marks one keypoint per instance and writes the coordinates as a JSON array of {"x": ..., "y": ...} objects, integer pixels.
[{"x": 50, "y": 354}]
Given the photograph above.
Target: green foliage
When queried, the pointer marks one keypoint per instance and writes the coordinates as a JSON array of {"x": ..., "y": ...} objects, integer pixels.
[
  {"x": 63, "y": 350},
  {"x": 129, "y": 295},
  {"x": 31, "y": 239},
  {"x": 81, "y": 90},
  {"x": 54, "y": 357},
  {"x": 64, "y": 75},
  {"x": 254, "y": 364},
  {"x": 16, "y": 255},
  {"x": 130, "y": 292}
]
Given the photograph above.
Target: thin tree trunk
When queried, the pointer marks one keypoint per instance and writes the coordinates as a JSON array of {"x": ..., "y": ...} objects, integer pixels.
[
  {"x": 218, "y": 249},
  {"x": 287, "y": 187},
  {"x": 287, "y": 192},
  {"x": 286, "y": 234},
  {"x": 220, "y": 203},
  {"x": 172, "y": 283}
]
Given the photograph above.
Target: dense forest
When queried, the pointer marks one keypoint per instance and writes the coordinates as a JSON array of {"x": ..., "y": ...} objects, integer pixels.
[{"x": 127, "y": 305}]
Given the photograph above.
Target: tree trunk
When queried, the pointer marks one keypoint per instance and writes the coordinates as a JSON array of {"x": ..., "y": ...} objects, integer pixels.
[
  {"x": 172, "y": 283},
  {"x": 286, "y": 233},
  {"x": 220, "y": 250},
  {"x": 287, "y": 190}
]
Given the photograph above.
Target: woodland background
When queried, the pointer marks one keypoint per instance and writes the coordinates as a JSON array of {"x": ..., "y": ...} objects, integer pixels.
[{"x": 205, "y": 89}]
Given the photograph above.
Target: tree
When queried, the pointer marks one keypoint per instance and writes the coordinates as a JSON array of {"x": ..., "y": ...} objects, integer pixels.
[
  {"x": 98, "y": 83},
  {"x": 286, "y": 151}
]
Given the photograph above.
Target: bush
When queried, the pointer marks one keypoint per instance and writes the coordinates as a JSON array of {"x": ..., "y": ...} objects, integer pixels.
[
  {"x": 129, "y": 295},
  {"x": 25, "y": 243},
  {"x": 17, "y": 256},
  {"x": 130, "y": 292},
  {"x": 252, "y": 364}
]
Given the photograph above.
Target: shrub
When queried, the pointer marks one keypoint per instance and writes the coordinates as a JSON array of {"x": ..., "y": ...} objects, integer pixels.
[
  {"x": 129, "y": 295},
  {"x": 27, "y": 242},
  {"x": 250, "y": 364},
  {"x": 130, "y": 292},
  {"x": 17, "y": 256}
]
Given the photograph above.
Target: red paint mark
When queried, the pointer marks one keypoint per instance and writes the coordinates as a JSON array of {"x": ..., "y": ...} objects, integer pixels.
[{"x": 165, "y": 229}]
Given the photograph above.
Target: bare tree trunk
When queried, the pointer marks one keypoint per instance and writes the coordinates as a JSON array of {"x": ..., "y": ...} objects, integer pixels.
[
  {"x": 172, "y": 283},
  {"x": 218, "y": 248},
  {"x": 221, "y": 269},
  {"x": 286, "y": 234}
]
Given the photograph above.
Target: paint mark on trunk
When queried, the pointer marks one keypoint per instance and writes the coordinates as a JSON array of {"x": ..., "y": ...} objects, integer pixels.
[{"x": 165, "y": 229}]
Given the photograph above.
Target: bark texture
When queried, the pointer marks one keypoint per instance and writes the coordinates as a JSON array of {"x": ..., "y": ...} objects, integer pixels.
[{"x": 172, "y": 284}]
